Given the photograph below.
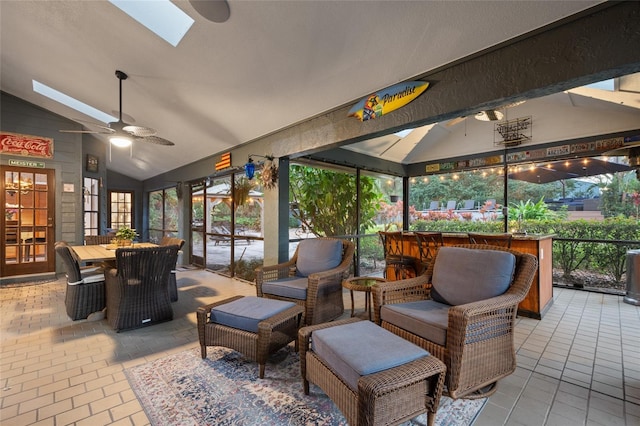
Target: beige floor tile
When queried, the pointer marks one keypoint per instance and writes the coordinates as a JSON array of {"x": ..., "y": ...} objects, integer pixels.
[
  {"x": 99, "y": 419},
  {"x": 73, "y": 415},
  {"x": 125, "y": 410},
  {"x": 50, "y": 411}
]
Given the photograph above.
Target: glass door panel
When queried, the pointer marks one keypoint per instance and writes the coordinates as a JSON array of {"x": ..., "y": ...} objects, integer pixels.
[
  {"x": 218, "y": 239},
  {"x": 248, "y": 233},
  {"x": 28, "y": 226},
  {"x": 197, "y": 224}
]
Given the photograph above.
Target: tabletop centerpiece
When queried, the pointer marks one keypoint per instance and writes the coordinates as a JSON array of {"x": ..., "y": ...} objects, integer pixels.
[{"x": 125, "y": 236}]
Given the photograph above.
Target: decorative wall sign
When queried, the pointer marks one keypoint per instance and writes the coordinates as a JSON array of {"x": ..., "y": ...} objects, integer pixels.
[
  {"x": 225, "y": 161},
  {"x": 27, "y": 163},
  {"x": 387, "y": 100},
  {"x": 269, "y": 175},
  {"x": 26, "y": 145},
  {"x": 92, "y": 163},
  {"x": 588, "y": 148},
  {"x": 512, "y": 132}
]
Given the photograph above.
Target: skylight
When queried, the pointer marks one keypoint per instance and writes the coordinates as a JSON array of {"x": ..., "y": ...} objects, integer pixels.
[
  {"x": 162, "y": 17},
  {"x": 603, "y": 85},
  {"x": 402, "y": 133},
  {"x": 67, "y": 100}
]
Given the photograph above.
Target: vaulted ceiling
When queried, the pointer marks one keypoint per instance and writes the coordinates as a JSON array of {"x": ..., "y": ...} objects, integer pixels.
[{"x": 272, "y": 64}]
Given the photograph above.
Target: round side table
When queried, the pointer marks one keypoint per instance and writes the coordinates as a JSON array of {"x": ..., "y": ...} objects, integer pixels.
[{"x": 361, "y": 284}]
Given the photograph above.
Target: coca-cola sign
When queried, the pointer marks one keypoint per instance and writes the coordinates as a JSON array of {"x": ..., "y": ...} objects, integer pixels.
[{"x": 26, "y": 145}]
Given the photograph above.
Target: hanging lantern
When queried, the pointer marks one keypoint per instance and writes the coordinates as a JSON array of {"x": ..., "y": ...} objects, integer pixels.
[{"x": 250, "y": 169}]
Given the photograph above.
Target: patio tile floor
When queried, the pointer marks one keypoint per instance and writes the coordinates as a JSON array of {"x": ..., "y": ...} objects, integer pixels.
[{"x": 579, "y": 365}]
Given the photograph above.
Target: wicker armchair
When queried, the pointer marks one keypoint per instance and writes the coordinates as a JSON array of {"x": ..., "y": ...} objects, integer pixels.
[
  {"x": 312, "y": 278},
  {"x": 474, "y": 340},
  {"x": 173, "y": 285},
  {"x": 85, "y": 286},
  {"x": 137, "y": 293}
]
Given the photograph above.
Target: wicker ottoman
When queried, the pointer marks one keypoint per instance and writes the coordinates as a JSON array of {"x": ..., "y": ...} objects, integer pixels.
[
  {"x": 253, "y": 326},
  {"x": 372, "y": 375}
]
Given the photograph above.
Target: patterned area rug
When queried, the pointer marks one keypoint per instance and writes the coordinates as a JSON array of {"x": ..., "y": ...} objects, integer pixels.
[{"x": 224, "y": 389}]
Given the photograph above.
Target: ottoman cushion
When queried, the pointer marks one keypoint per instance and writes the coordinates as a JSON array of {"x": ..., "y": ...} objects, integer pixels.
[
  {"x": 362, "y": 348},
  {"x": 246, "y": 313}
]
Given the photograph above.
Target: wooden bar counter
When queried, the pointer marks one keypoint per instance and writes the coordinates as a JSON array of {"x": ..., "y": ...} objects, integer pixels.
[{"x": 540, "y": 296}]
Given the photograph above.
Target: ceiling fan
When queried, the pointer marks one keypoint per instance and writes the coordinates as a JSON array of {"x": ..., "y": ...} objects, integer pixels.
[
  {"x": 122, "y": 134},
  {"x": 486, "y": 115}
]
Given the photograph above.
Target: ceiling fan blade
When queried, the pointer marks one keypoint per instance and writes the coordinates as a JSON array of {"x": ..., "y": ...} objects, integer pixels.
[
  {"x": 83, "y": 131},
  {"x": 156, "y": 140},
  {"x": 87, "y": 123},
  {"x": 213, "y": 10},
  {"x": 139, "y": 131}
]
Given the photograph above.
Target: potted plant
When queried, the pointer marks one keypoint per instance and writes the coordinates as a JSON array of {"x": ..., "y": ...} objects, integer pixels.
[{"x": 125, "y": 236}]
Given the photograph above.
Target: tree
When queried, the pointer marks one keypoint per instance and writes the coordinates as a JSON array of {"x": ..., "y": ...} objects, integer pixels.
[
  {"x": 325, "y": 200},
  {"x": 617, "y": 190}
]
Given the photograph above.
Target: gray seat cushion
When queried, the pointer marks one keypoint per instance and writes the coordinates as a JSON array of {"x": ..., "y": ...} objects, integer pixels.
[
  {"x": 318, "y": 255},
  {"x": 425, "y": 318},
  {"x": 362, "y": 348},
  {"x": 246, "y": 313},
  {"x": 291, "y": 287},
  {"x": 462, "y": 275}
]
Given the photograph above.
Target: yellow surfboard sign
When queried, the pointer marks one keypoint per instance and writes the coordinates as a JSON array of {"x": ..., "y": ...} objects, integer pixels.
[{"x": 387, "y": 100}]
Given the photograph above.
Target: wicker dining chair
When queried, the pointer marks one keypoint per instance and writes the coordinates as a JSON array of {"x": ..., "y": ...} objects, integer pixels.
[
  {"x": 173, "y": 284},
  {"x": 85, "y": 292},
  {"x": 428, "y": 244},
  {"x": 394, "y": 257},
  {"x": 450, "y": 315},
  {"x": 137, "y": 293},
  {"x": 502, "y": 240},
  {"x": 94, "y": 240},
  {"x": 312, "y": 278}
]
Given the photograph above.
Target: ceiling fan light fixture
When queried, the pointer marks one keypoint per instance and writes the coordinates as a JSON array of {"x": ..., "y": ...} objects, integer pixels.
[{"x": 121, "y": 141}]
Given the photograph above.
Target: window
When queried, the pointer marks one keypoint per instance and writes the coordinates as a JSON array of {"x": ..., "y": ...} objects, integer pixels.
[
  {"x": 91, "y": 202},
  {"x": 120, "y": 209},
  {"x": 163, "y": 214}
]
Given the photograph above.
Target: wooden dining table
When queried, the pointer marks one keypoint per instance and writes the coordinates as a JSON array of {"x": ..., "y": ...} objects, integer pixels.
[{"x": 102, "y": 252}]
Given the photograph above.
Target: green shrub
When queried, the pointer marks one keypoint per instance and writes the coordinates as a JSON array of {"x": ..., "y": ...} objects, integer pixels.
[
  {"x": 245, "y": 269},
  {"x": 611, "y": 258},
  {"x": 569, "y": 256}
]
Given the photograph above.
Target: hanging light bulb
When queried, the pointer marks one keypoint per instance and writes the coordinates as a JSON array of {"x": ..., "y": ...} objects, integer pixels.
[{"x": 120, "y": 140}]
